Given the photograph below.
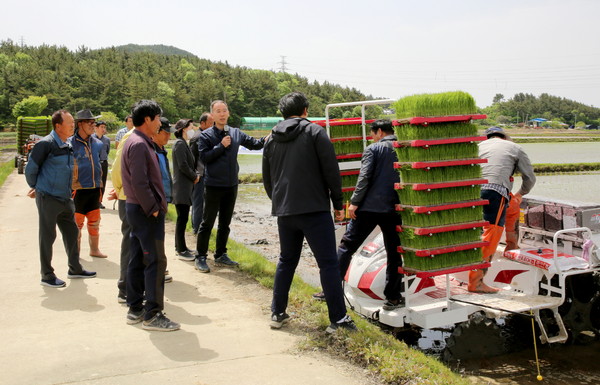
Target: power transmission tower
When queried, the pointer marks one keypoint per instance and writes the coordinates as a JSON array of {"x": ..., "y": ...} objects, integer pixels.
[
  {"x": 22, "y": 40},
  {"x": 282, "y": 67}
]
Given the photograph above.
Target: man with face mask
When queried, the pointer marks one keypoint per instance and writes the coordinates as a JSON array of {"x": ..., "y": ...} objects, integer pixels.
[
  {"x": 185, "y": 177},
  {"x": 87, "y": 178}
]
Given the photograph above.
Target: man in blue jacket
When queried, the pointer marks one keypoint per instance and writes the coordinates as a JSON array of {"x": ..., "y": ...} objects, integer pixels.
[
  {"x": 218, "y": 147},
  {"x": 49, "y": 173},
  {"x": 302, "y": 178},
  {"x": 87, "y": 178}
]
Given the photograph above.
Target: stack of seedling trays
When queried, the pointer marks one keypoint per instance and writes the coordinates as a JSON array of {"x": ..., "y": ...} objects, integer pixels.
[
  {"x": 349, "y": 141},
  {"x": 440, "y": 173}
]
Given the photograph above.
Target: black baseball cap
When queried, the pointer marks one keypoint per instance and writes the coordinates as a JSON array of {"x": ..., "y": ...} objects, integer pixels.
[{"x": 166, "y": 126}]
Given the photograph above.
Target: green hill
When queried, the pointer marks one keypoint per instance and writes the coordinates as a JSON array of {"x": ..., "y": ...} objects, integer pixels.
[
  {"x": 156, "y": 48},
  {"x": 112, "y": 79}
]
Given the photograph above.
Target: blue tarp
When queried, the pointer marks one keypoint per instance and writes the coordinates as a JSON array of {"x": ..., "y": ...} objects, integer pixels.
[{"x": 539, "y": 120}]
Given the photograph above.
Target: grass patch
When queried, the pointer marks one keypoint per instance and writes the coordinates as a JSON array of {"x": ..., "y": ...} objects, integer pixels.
[
  {"x": 6, "y": 169},
  {"x": 382, "y": 354}
]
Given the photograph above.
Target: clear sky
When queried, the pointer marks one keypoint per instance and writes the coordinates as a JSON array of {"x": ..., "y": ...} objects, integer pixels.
[{"x": 386, "y": 48}]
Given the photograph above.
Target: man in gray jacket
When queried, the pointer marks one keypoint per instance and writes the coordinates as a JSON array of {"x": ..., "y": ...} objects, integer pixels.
[
  {"x": 503, "y": 159},
  {"x": 302, "y": 178}
]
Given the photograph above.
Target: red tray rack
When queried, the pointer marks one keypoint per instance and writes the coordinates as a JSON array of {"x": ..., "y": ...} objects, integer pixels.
[
  {"x": 454, "y": 269},
  {"x": 349, "y": 156},
  {"x": 342, "y": 122},
  {"x": 446, "y": 206},
  {"x": 425, "y": 120},
  {"x": 443, "y": 249},
  {"x": 437, "y": 185},
  {"x": 441, "y": 163},
  {"x": 444, "y": 228},
  {"x": 436, "y": 142},
  {"x": 349, "y": 138}
]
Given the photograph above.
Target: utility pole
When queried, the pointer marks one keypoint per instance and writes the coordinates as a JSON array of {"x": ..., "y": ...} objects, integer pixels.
[
  {"x": 282, "y": 67},
  {"x": 22, "y": 40}
]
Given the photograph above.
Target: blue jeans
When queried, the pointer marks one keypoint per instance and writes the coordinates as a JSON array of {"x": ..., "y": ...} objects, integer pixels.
[
  {"x": 318, "y": 230},
  {"x": 147, "y": 261}
]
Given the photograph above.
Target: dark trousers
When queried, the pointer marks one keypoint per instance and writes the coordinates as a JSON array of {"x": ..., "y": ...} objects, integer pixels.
[
  {"x": 125, "y": 242},
  {"x": 147, "y": 261},
  {"x": 104, "y": 166},
  {"x": 197, "y": 204},
  {"x": 358, "y": 230},
  {"x": 183, "y": 214},
  {"x": 56, "y": 212},
  {"x": 318, "y": 230},
  {"x": 491, "y": 211},
  {"x": 219, "y": 200}
]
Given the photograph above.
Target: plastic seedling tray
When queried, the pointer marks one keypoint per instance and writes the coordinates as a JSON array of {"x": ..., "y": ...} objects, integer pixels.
[
  {"x": 443, "y": 250},
  {"x": 442, "y": 229},
  {"x": 434, "y": 186},
  {"x": 441, "y": 163},
  {"x": 426, "y": 120},
  {"x": 452, "y": 270},
  {"x": 446, "y": 206},
  {"x": 436, "y": 142}
]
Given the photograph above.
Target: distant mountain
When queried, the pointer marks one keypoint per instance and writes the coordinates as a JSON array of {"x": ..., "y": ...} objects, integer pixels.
[{"x": 160, "y": 49}]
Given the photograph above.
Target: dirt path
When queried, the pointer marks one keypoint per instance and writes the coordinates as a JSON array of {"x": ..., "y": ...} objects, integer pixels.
[{"x": 78, "y": 334}]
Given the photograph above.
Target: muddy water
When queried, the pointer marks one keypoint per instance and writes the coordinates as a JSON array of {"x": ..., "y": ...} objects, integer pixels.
[{"x": 577, "y": 152}]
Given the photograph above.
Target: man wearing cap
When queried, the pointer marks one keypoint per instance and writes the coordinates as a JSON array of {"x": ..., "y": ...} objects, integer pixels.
[
  {"x": 503, "y": 158},
  {"x": 100, "y": 134},
  {"x": 87, "y": 178},
  {"x": 49, "y": 173}
]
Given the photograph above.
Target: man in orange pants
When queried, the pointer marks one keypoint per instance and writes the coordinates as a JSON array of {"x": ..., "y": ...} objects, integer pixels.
[
  {"x": 87, "y": 178},
  {"x": 504, "y": 158}
]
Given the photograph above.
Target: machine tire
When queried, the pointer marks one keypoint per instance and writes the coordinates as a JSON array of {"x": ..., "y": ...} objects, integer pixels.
[{"x": 478, "y": 337}]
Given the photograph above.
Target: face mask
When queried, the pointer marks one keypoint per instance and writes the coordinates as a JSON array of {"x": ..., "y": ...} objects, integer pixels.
[{"x": 191, "y": 133}]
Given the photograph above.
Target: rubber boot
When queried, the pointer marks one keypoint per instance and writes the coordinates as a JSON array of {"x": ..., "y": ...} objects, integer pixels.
[{"x": 94, "y": 250}]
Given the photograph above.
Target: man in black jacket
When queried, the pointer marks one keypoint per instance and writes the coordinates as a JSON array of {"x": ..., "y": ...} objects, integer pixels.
[
  {"x": 301, "y": 176},
  {"x": 218, "y": 147},
  {"x": 373, "y": 203}
]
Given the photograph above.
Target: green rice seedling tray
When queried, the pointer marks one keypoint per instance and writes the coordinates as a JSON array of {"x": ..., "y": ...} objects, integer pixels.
[
  {"x": 437, "y": 142},
  {"x": 345, "y": 146},
  {"x": 349, "y": 178},
  {"x": 439, "y": 185},
  {"x": 349, "y": 157},
  {"x": 442, "y": 262},
  {"x": 437, "y": 153},
  {"x": 437, "y": 131},
  {"x": 442, "y": 207},
  {"x": 438, "y": 104},
  {"x": 451, "y": 270},
  {"x": 439, "y": 196},
  {"x": 441, "y": 229},
  {"x": 408, "y": 174},
  {"x": 442, "y": 217},
  {"x": 444, "y": 249},
  {"x": 410, "y": 239},
  {"x": 443, "y": 163},
  {"x": 427, "y": 120}
]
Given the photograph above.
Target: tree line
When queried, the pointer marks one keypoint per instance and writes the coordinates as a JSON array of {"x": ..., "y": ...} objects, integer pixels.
[
  {"x": 523, "y": 106},
  {"x": 110, "y": 80}
]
